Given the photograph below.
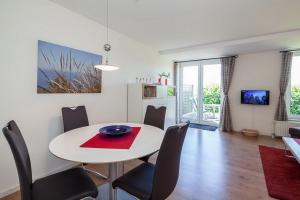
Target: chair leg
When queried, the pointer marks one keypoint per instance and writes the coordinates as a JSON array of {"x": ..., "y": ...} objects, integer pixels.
[
  {"x": 116, "y": 193},
  {"x": 94, "y": 172},
  {"x": 123, "y": 168}
]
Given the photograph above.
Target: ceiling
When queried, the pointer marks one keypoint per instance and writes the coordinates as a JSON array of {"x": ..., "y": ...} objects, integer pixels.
[{"x": 174, "y": 26}]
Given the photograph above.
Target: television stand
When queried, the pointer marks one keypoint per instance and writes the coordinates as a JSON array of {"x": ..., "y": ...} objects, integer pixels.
[{"x": 250, "y": 132}]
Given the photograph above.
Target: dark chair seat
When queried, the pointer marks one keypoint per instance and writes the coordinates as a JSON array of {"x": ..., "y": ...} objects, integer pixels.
[
  {"x": 137, "y": 182},
  {"x": 72, "y": 184},
  {"x": 294, "y": 132}
]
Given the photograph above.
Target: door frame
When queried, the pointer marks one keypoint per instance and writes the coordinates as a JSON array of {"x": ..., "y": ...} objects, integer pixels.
[
  {"x": 182, "y": 65},
  {"x": 200, "y": 64}
]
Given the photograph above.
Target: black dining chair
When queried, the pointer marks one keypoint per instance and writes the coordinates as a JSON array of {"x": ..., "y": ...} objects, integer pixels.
[
  {"x": 157, "y": 182},
  {"x": 154, "y": 117},
  {"x": 71, "y": 184},
  {"x": 76, "y": 117}
]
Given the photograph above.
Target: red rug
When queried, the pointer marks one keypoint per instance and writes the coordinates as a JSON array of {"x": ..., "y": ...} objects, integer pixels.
[{"x": 282, "y": 174}]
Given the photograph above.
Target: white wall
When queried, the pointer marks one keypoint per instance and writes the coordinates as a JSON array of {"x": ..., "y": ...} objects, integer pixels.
[
  {"x": 22, "y": 24},
  {"x": 255, "y": 71}
]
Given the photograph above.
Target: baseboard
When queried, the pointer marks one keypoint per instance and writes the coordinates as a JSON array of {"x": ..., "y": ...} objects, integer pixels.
[
  {"x": 7, "y": 192},
  {"x": 16, "y": 188}
]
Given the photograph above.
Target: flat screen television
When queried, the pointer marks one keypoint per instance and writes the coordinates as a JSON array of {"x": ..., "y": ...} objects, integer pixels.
[{"x": 255, "y": 97}]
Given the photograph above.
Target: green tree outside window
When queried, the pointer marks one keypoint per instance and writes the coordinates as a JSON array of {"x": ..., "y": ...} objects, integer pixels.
[
  {"x": 295, "y": 101},
  {"x": 212, "y": 95}
]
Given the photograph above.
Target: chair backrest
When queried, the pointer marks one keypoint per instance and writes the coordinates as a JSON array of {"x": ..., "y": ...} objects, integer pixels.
[
  {"x": 21, "y": 156},
  {"x": 155, "y": 116},
  {"x": 168, "y": 162},
  {"x": 74, "y": 117}
]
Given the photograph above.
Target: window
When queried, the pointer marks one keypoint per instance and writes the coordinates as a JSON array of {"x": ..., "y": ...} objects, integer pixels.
[{"x": 294, "y": 88}]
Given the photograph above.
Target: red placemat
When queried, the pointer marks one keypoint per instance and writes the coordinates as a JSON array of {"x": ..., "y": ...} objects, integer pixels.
[
  {"x": 122, "y": 142},
  {"x": 297, "y": 140}
]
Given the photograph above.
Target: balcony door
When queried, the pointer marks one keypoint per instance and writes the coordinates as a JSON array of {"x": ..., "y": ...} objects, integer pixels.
[{"x": 200, "y": 92}]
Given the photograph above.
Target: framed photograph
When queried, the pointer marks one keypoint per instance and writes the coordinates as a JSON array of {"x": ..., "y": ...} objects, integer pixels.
[{"x": 67, "y": 70}]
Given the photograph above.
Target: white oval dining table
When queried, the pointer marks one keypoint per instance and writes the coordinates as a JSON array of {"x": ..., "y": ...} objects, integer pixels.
[{"x": 67, "y": 146}]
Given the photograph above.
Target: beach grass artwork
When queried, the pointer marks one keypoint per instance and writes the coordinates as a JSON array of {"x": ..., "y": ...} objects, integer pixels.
[{"x": 67, "y": 70}]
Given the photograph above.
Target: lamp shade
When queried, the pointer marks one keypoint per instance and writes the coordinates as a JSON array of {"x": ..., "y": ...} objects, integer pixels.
[{"x": 106, "y": 67}]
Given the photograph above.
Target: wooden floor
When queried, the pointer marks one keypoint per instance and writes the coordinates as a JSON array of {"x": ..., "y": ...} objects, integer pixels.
[{"x": 214, "y": 166}]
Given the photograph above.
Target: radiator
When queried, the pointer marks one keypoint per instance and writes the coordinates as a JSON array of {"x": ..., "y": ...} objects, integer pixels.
[{"x": 282, "y": 127}]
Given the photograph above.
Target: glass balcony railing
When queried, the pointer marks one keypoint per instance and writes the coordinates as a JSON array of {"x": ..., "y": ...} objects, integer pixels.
[{"x": 211, "y": 112}]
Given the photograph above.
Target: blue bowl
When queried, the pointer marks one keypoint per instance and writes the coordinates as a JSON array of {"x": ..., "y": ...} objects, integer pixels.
[{"x": 115, "y": 130}]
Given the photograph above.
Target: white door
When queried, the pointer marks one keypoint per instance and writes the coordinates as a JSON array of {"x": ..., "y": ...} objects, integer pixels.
[{"x": 200, "y": 91}]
